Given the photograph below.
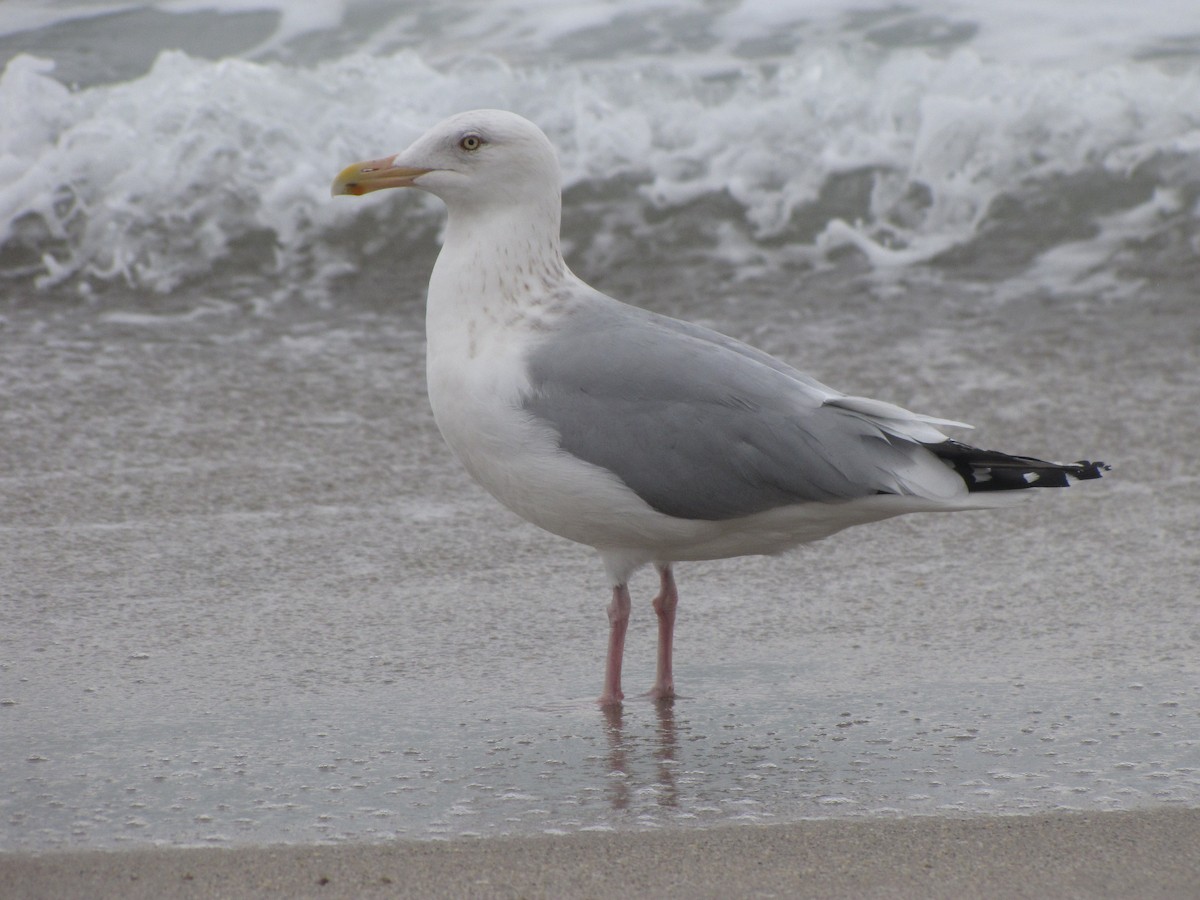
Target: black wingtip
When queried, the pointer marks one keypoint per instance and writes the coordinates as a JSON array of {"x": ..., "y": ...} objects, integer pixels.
[
  {"x": 989, "y": 470},
  {"x": 1086, "y": 470}
]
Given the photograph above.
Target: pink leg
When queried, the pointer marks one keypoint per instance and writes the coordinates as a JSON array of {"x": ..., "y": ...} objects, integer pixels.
[
  {"x": 618, "y": 621},
  {"x": 664, "y": 607}
]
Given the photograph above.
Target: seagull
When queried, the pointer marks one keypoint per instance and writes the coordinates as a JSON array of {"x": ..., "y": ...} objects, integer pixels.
[{"x": 650, "y": 439}]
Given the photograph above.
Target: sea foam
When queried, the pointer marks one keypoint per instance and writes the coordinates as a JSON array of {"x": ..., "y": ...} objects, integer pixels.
[{"x": 906, "y": 155}]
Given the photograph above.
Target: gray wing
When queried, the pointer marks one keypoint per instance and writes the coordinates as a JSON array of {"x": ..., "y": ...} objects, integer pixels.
[{"x": 699, "y": 425}]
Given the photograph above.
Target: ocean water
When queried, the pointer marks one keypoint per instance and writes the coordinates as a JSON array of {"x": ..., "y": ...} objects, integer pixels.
[
  {"x": 154, "y": 145},
  {"x": 247, "y": 596}
]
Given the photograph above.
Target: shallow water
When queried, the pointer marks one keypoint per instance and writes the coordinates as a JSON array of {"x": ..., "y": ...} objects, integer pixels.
[
  {"x": 251, "y": 598},
  {"x": 246, "y": 595}
]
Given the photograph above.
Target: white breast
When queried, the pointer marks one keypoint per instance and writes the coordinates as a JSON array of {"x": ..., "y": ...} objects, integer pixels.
[{"x": 477, "y": 379}]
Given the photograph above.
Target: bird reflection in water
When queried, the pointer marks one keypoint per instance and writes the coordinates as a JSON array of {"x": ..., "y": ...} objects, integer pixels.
[{"x": 623, "y": 756}]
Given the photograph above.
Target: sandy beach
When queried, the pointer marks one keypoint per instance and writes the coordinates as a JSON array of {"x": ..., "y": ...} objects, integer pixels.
[
  {"x": 288, "y": 619},
  {"x": 261, "y": 636},
  {"x": 1119, "y": 855}
]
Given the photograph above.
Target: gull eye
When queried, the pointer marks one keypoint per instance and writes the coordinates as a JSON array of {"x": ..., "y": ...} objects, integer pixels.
[{"x": 471, "y": 142}]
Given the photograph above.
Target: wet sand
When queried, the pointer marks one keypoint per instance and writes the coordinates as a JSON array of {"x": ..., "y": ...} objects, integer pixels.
[
  {"x": 251, "y": 601},
  {"x": 1120, "y": 854}
]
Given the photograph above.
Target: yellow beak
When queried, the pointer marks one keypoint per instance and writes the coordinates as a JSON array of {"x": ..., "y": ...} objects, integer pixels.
[{"x": 374, "y": 175}]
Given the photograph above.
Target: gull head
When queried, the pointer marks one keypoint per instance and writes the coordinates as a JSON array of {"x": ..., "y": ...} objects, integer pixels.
[{"x": 479, "y": 159}]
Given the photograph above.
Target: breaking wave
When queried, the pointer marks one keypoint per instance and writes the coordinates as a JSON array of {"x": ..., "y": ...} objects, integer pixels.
[{"x": 742, "y": 140}]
